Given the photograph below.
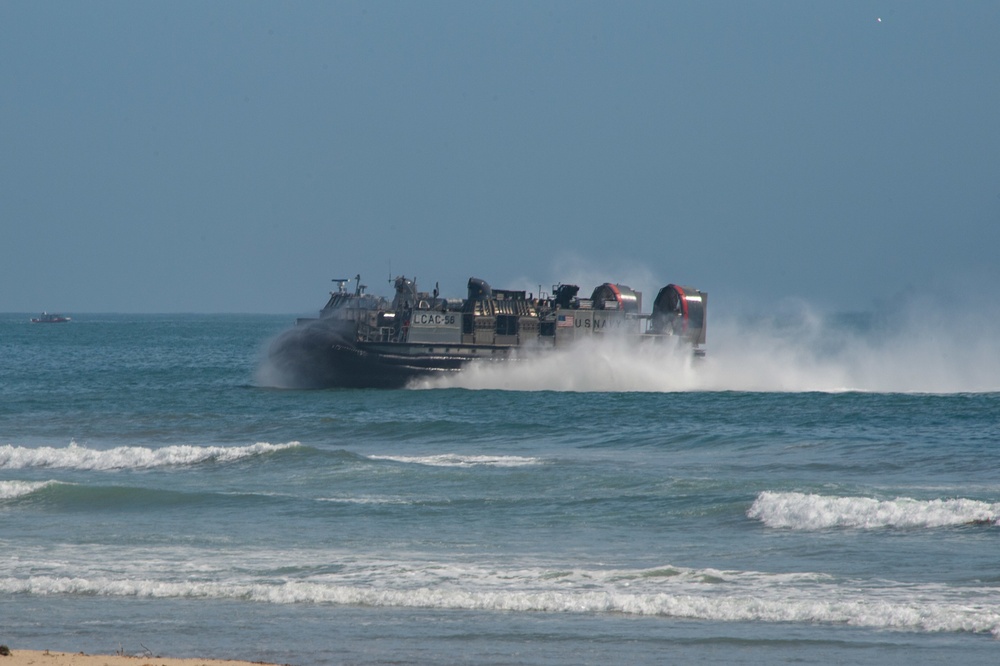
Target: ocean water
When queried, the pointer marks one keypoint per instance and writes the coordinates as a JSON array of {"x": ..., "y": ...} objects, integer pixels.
[{"x": 820, "y": 491}]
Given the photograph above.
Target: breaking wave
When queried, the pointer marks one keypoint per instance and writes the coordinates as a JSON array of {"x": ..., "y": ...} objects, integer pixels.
[
  {"x": 802, "y": 511},
  {"x": 672, "y": 592},
  {"x": 79, "y": 457},
  {"x": 15, "y": 489}
]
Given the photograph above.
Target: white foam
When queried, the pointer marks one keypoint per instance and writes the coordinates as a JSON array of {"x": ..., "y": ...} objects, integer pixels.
[
  {"x": 456, "y": 460},
  {"x": 14, "y": 489},
  {"x": 127, "y": 457},
  {"x": 349, "y": 577},
  {"x": 726, "y": 596},
  {"x": 803, "y": 511}
]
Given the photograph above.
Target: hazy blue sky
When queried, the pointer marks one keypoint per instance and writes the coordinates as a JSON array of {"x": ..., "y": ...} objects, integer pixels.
[{"x": 235, "y": 156}]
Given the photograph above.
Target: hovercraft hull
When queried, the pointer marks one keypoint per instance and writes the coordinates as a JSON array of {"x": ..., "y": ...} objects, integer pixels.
[{"x": 360, "y": 341}]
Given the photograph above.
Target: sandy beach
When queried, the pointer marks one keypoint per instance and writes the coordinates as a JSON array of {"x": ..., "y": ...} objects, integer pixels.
[{"x": 47, "y": 658}]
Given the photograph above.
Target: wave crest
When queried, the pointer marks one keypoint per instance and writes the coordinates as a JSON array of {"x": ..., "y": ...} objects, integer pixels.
[
  {"x": 15, "y": 489},
  {"x": 803, "y": 511},
  {"x": 79, "y": 457}
]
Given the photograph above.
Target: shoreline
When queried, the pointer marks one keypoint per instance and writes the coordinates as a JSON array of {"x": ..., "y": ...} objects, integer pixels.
[{"x": 17, "y": 657}]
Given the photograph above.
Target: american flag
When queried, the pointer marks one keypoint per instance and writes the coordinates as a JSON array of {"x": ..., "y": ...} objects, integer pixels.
[{"x": 564, "y": 320}]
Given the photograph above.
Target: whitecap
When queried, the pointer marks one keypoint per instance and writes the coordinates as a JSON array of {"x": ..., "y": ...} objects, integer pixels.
[
  {"x": 15, "y": 489},
  {"x": 804, "y": 511},
  {"x": 79, "y": 457}
]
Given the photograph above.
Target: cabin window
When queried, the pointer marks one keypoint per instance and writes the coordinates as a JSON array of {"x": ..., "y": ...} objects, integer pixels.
[{"x": 507, "y": 324}]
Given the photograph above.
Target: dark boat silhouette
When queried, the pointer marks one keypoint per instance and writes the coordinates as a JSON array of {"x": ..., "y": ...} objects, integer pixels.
[{"x": 49, "y": 318}]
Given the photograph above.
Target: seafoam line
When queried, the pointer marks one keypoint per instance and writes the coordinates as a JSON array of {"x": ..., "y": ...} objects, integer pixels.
[
  {"x": 921, "y": 610},
  {"x": 456, "y": 460}
]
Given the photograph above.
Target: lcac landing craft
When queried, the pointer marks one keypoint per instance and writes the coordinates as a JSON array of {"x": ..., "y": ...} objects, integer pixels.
[{"x": 364, "y": 341}]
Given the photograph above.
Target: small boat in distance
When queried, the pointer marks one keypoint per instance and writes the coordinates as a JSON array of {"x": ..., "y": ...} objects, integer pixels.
[{"x": 49, "y": 318}]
